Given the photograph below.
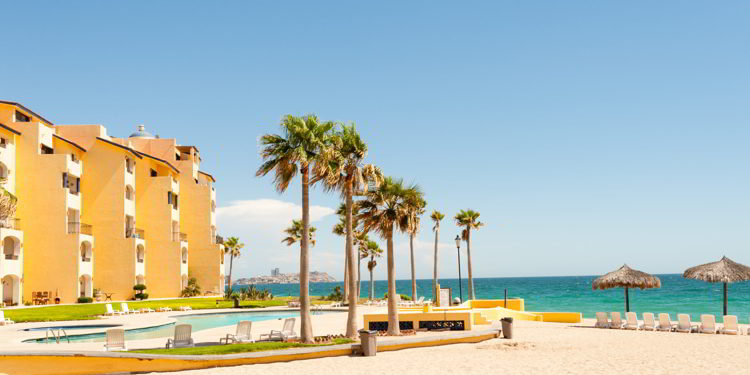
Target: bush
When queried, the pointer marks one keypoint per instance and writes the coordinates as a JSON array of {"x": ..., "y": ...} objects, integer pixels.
[
  {"x": 192, "y": 289},
  {"x": 85, "y": 300},
  {"x": 139, "y": 287},
  {"x": 141, "y": 296},
  {"x": 253, "y": 294},
  {"x": 336, "y": 295},
  {"x": 404, "y": 297}
]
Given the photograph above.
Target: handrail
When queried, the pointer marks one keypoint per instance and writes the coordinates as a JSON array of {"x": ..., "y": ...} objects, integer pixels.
[
  {"x": 57, "y": 336},
  {"x": 65, "y": 333}
]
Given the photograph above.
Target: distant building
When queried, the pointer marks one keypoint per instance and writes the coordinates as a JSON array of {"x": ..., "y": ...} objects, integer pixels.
[{"x": 275, "y": 272}]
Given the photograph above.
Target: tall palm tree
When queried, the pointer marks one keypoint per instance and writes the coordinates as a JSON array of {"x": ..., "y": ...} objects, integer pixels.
[
  {"x": 232, "y": 247},
  {"x": 436, "y": 216},
  {"x": 373, "y": 251},
  {"x": 360, "y": 241},
  {"x": 302, "y": 149},
  {"x": 385, "y": 210},
  {"x": 350, "y": 176},
  {"x": 470, "y": 220},
  {"x": 294, "y": 233},
  {"x": 413, "y": 228}
]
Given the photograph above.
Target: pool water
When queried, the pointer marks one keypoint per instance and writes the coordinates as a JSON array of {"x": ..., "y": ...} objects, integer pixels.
[
  {"x": 68, "y": 328},
  {"x": 198, "y": 321}
]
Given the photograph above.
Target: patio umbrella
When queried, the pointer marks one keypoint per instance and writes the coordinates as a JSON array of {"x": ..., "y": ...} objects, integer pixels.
[
  {"x": 724, "y": 271},
  {"x": 626, "y": 277}
]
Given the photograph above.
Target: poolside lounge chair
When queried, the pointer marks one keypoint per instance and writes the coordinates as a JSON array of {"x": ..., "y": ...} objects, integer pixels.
[
  {"x": 127, "y": 310},
  {"x": 420, "y": 301},
  {"x": 144, "y": 310},
  {"x": 241, "y": 335},
  {"x": 648, "y": 322},
  {"x": 185, "y": 308},
  {"x": 602, "y": 321},
  {"x": 631, "y": 321},
  {"x": 5, "y": 321},
  {"x": 111, "y": 311},
  {"x": 684, "y": 324},
  {"x": 665, "y": 323},
  {"x": 287, "y": 332},
  {"x": 730, "y": 325},
  {"x": 182, "y": 338},
  {"x": 708, "y": 324},
  {"x": 617, "y": 322},
  {"x": 115, "y": 339},
  {"x": 163, "y": 309}
]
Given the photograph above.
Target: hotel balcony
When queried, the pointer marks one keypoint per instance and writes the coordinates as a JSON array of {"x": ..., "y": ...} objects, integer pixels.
[
  {"x": 79, "y": 228},
  {"x": 218, "y": 240},
  {"x": 179, "y": 236},
  {"x": 140, "y": 257},
  {"x": 135, "y": 233},
  {"x": 183, "y": 259}
]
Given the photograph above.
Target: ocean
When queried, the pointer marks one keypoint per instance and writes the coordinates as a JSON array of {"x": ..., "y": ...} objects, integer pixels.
[{"x": 571, "y": 293}]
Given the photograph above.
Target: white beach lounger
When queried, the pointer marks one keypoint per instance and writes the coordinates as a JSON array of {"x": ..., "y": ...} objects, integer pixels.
[
  {"x": 730, "y": 325},
  {"x": 241, "y": 335},
  {"x": 185, "y": 308},
  {"x": 684, "y": 324},
  {"x": 648, "y": 322},
  {"x": 287, "y": 332},
  {"x": 5, "y": 321},
  {"x": 111, "y": 311},
  {"x": 708, "y": 324},
  {"x": 127, "y": 310},
  {"x": 602, "y": 321},
  {"x": 144, "y": 310},
  {"x": 182, "y": 337},
  {"x": 115, "y": 340},
  {"x": 665, "y": 323},
  {"x": 420, "y": 301},
  {"x": 617, "y": 322},
  {"x": 163, "y": 309},
  {"x": 631, "y": 321}
]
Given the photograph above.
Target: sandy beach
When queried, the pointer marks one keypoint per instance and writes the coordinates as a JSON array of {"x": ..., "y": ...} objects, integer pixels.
[{"x": 539, "y": 348}]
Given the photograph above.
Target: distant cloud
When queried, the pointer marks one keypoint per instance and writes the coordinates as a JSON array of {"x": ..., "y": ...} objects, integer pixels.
[{"x": 267, "y": 211}]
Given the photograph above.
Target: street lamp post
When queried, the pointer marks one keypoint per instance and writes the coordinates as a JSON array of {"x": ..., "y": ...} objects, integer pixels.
[{"x": 458, "y": 251}]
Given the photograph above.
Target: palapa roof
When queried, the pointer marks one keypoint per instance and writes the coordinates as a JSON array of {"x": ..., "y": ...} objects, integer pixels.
[
  {"x": 626, "y": 277},
  {"x": 723, "y": 271}
]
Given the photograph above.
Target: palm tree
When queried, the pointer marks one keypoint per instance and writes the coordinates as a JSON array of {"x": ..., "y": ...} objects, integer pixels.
[
  {"x": 373, "y": 251},
  {"x": 232, "y": 246},
  {"x": 468, "y": 219},
  {"x": 294, "y": 233},
  {"x": 350, "y": 176},
  {"x": 360, "y": 240},
  {"x": 301, "y": 149},
  {"x": 436, "y": 216},
  {"x": 386, "y": 209},
  {"x": 413, "y": 228}
]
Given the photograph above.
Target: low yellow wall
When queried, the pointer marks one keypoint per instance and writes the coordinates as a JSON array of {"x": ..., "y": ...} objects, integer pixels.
[
  {"x": 560, "y": 317},
  {"x": 513, "y": 304},
  {"x": 416, "y": 316}
]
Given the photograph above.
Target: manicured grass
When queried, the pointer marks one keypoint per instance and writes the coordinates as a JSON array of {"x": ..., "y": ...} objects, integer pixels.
[
  {"x": 237, "y": 348},
  {"x": 87, "y": 311}
]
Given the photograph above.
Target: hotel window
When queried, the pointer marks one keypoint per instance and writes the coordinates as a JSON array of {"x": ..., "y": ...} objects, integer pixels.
[
  {"x": 3, "y": 142},
  {"x": 153, "y": 173},
  {"x": 129, "y": 194},
  {"x": 129, "y": 164},
  {"x": 20, "y": 117},
  {"x": 47, "y": 150}
]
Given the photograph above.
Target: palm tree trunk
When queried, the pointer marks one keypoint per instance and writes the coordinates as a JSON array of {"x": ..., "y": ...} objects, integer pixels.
[
  {"x": 372, "y": 283},
  {"x": 346, "y": 275},
  {"x": 359, "y": 274},
  {"x": 393, "y": 327},
  {"x": 231, "y": 260},
  {"x": 413, "y": 276},
  {"x": 351, "y": 318},
  {"x": 306, "y": 334},
  {"x": 468, "y": 257},
  {"x": 435, "y": 267}
]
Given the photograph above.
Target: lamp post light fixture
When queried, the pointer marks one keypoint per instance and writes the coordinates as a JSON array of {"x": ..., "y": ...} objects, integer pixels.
[{"x": 458, "y": 251}]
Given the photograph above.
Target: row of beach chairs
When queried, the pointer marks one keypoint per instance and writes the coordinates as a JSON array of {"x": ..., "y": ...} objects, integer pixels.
[
  {"x": 124, "y": 310},
  {"x": 707, "y": 324},
  {"x": 183, "y": 335}
]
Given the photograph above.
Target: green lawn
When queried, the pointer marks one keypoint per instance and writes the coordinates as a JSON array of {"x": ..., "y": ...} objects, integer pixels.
[
  {"x": 237, "y": 348},
  {"x": 87, "y": 311}
]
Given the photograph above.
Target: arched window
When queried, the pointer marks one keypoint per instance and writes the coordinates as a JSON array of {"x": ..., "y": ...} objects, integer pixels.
[
  {"x": 11, "y": 248},
  {"x": 184, "y": 255},
  {"x": 86, "y": 252},
  {"x": 140, "y": 254},
  {"x": 129, "y": 193}
]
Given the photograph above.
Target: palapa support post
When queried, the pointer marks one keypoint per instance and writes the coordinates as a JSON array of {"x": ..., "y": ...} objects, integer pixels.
[
  {"x": 505, "y": 305},
  {"x": 627, "y": 300},
  {"x": 725, "y": 298}
]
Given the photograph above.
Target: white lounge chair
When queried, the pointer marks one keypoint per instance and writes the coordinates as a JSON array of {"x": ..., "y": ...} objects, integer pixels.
[
  {"x": 185, "y": 308},
  {"x": 241, "y": 335},
  {"x": 111, "y": 311},
  {"x": 665, "y": 323},
  {"x": 182, "y": 337},
  {"x": 631, "y": 321},
  {"x": 127, "y": 310},
  {"x": 144, "y": 310},
  {"x": 730, "y": 325},
  {"x": 602, "y": 321},
  {"x": 164, "y": 309},
  {"x": 5, "y": 321},
  {"x": 648, "y": 322},
  {"x": 708, "y": 324},
  {"x": 617, "y": 322},
  {"x": 684, "y": 324},
  {"x": 287, "y": 332},
  {"x": 115, "y": 340},
  {"x": 420, "y": 301}
]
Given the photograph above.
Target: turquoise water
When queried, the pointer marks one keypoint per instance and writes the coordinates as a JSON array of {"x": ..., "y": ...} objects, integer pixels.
[
  {"x": 198, "y": 321},
  {"x": 573, "y": 293}
]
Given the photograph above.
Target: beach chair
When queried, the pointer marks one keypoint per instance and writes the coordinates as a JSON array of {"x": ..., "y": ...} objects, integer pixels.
[
  {"x": 665, "y": 323},
  {"x": 241, "y": 335},
  {"x": 420, "y": 301},
  {"x": 631, "y": 321},
  {"x": 617, "y": 322},
  {"x": 164, "y": 309},
  {"x": 115, "y": 340},
  {"x": 287, "y": 332},
  {"x": 708, "y": 324},
  {"x": 126, "y": 310},
  {"x": 144, "y": 310},
  {"x": 730, "y": 326},
  {"x": 185, "y": 308},
  {"x": 182, "y": 337},
  {"x": 684, "y": 324},
  {"x": 111, "y": 311},
  {"x": 602, "y": 321},
  {"x": 648, "y": 322},
  {"x": 5, "y": 321}
]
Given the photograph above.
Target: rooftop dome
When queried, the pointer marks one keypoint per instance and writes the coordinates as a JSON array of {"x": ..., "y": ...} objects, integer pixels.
[{"x": 141, "y": 133}]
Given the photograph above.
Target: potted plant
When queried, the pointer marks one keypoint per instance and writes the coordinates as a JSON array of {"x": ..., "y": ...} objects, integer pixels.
[
  {"x": 139, "y": 294},
  {"x": 97, "y": 294}
]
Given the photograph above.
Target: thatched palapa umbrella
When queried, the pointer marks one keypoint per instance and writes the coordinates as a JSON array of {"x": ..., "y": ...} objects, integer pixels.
[
  {"x": 724, "y": 271},
  {"x": 626, "y": 277}
]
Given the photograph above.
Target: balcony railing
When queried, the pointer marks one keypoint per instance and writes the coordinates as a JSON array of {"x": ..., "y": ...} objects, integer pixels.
[
  {"x": 85, "y": 259},
  {"x": 135, "y": 233},
  {"x": 11, "y": 224},
  {"x": 179, "y": 236},
  {"x": 11, "y": 256},
  {"x": 75, "y": 227},
  {"x": 183, "y": 236}
]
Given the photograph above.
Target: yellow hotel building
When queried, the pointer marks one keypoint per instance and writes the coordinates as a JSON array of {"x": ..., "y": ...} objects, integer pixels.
[{"x": 97, "y": 211}]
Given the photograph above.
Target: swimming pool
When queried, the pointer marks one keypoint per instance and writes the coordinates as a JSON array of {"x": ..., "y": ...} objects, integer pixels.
[
  {"x": 68, "y": 328},
  {"x": 198, "y": 321}
]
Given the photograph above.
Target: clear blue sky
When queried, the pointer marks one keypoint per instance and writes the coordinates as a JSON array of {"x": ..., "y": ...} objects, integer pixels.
[{"x": 587, "y": 133}]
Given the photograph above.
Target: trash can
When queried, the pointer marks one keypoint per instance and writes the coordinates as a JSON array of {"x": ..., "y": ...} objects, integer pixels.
[
  {"x": 369, "y": 342},
  {"x": 507, "y": 324}
]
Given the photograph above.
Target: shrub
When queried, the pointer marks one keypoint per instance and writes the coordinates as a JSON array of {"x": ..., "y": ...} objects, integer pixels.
[
  {"x": 141, "y": 296},
  {"x": 404, "y": 297},
  {"x": 139, "y": 287},
  {"x": 192, "y": 289},
  {"x": 85, "y": 300},
  {"x": 336, "y": 295},
  {"x": 252, "y": 294}
]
